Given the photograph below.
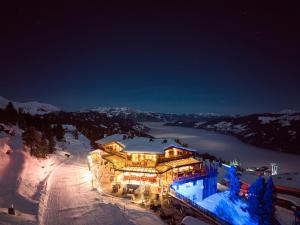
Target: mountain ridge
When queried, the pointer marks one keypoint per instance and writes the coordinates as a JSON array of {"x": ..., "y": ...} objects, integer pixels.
[
  {"x": 276, "y": 131},
  {"x": 31, "y": 107}
]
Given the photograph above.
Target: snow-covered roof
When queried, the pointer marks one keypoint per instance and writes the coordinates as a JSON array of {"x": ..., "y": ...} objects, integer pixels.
[
  {"x": 181, "y": 147},
  {"x": 142, "y": 144},
  {"x": 110, "y": 138}
]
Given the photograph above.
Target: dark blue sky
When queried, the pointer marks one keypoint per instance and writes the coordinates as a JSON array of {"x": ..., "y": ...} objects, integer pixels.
[{"x": 180, "y": 57}]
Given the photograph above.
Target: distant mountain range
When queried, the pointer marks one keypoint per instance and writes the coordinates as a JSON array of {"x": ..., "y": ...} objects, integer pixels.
[
  {"x": 91, "y": 123},
  {"x": 142, "y": 116},
  {"x": 278, "y": 131},
  {"x": 37, "y": 108}
]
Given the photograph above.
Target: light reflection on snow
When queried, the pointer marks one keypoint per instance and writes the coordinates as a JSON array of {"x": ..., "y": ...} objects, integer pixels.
[
  {"x": 192, "y": 190},
  {"x": 88, "y": 176}
]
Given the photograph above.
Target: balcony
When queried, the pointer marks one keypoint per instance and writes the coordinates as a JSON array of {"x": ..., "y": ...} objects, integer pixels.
[
  {"x": 120, "y": 154},
  {"x": 164, "y": 159}
]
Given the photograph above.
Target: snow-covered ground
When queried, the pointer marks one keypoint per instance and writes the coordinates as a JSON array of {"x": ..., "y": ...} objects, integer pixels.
[
  {"x": 58, "y": 190},
  {"x": 284, "y": 216},
  {"x": 232, "y": 212},
  {"x": 70, "y": 198},
  {"x": 227, "y": 147},
  {"x": 21, "y": 179}
]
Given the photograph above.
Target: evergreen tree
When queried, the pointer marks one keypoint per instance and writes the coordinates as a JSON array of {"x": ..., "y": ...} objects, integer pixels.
[
  {"x": 59, "y": 132},
  {"x": 51, "y": 143},
  {"x": 42, "y": 148},
  {"x": 31, "y": 138},
  {"x": 234, "y": 183},
  {"x": 255, "y": 200},
  {"x": 49, "y": 135},
  {"x": 268, "y": 206},
  {"x": 10, "y": 114}
]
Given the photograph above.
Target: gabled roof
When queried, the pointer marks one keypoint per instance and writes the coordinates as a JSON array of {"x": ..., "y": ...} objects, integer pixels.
[
  {"x": 110, "y": 138},
  {"x": 142, "y": 144},
  {"x": 181, "y": 147}
]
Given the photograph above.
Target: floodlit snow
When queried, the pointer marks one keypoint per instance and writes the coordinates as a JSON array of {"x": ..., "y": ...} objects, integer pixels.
[
  {"x": 35, "y": 173},
  {"x": 58, "y": 190},
  {"x": 70, "y": 199},
  {"x": 191, "y": 190},
  {"x": 233, "y": 212},
  {"x": 227, "y": 147},
  {"x": 21, "y": 179},
  {"x": 10, "y": 173},
  {"x": 219, "y": 203}
]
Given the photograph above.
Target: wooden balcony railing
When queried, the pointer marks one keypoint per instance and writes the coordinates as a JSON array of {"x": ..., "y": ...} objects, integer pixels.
[
  {"x": 121, "y": 154},
  {"x": 163, "y": 159}
]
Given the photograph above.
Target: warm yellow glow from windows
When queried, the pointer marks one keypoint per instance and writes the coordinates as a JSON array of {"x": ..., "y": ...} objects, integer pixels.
[
  {"x": 167, "y": 154},
  {"x": 135, "y": 157}
]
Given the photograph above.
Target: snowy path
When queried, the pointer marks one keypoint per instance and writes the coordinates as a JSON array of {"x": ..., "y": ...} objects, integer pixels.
[
  {"x": 70, "y": 197},
  {"x": 72, "y": 200}
]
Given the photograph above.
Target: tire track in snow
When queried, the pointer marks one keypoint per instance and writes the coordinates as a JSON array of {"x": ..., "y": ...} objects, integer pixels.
[{"x": 71, "y": 199}]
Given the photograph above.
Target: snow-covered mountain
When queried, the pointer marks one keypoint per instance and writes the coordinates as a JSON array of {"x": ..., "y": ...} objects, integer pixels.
[
  {"x": 278, "y": 131},
  {"x": 33, "y": 108},
  {"x": 141, "y": 116},
  {"x": 116, "y": 111}
]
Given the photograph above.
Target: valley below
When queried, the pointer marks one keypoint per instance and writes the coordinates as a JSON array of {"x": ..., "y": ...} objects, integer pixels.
[{"x": 227, "y": 147}]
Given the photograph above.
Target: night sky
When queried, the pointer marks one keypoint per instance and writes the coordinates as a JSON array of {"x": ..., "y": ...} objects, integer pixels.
[{"x": 177, "y": 57}]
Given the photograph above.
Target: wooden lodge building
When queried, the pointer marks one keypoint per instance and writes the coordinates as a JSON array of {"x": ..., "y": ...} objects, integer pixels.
[{"x": 153, "y": 163}]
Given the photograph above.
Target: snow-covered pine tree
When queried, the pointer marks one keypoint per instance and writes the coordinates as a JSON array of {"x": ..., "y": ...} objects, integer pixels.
[
  {"x": 234, "y": 183},
  {"x": 255, "y": 199},
  {"x": 268, "y": 207}
]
